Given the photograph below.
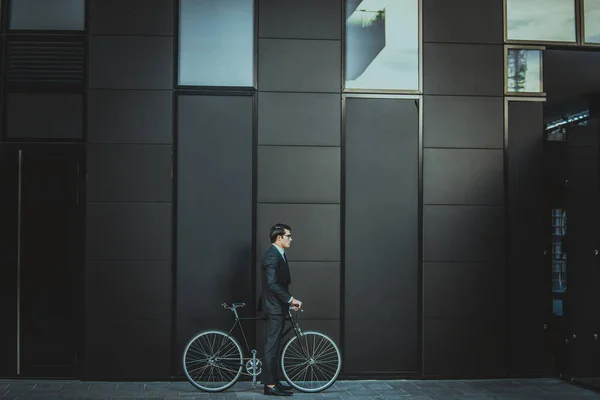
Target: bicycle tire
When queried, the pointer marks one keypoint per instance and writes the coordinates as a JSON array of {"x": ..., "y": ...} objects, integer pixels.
[
  {"x": 231, "y": 361},
  {"x": 318, "y": 355}
]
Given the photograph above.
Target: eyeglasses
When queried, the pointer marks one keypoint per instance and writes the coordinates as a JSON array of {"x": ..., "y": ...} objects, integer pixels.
[{"x": 289, "y": 236}]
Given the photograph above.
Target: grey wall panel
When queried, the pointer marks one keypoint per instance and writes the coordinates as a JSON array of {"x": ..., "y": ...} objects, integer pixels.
[
  {"x": 463, "y": 21},
  {"x": 317, "y": 285},
  {"x": 131, "y": 17},
  {"x": 381, "y": 235},
  {"x": 124, "y": 350},
  {"x": 582, "y": 303},
  {"x": 463, "y": 233},
  {"x": 128, "y": 232},
  {"x": 463, "y": 176},
  {"x": 567, "y": 75},
  {"x": 44, "y": 115},
  {"x": 129, "y": 116},
  {"x": 464, "y": 347},
  {"x": 298, "y": 174},
  {"x": 315, "y": 230},
  {"x": 214, "y": 208},
  {"x": 527, "y": 242},
  {"x": 299, "y": 119},
  {"x": 461, "y": 69},
  {"x": 464, "y": 122},
  {"x": 307, "y": 19},
  {"x": 130, "y": 62},
  {"x": 122, "y": 172},
  {"x": 133, "y": 291},
  {"x": 587, "y": 135},
  {"x": 449, "y": 289},
  {"x": 581, "y": 199},
  {"x": 299, "y": 65}
]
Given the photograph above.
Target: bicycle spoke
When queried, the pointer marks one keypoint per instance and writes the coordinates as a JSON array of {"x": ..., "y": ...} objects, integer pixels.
[
  {"x": 311, "y": 362},
  {"x": 212, "y": 361}
]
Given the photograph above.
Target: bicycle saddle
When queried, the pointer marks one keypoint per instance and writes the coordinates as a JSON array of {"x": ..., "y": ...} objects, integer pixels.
[{"x": 234, "y": 305}]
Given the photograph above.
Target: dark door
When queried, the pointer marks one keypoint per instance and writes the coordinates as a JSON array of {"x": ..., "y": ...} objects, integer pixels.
[
  {"x": 583, "y": 234},
  {"x": 47, "y": 239},
  {"x": 9, "y": 201}
]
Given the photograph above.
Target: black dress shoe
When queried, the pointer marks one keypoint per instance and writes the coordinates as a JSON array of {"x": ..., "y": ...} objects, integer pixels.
[
  {"x": 276, "y": 391},
  {"x": 284, "y": 385}
]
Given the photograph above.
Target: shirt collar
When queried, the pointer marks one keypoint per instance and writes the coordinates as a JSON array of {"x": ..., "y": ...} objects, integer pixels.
[{"x": 280, "y": 250}]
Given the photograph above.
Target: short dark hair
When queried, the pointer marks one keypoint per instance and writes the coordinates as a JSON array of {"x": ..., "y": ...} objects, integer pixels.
[{"x": 276, "y": 230}]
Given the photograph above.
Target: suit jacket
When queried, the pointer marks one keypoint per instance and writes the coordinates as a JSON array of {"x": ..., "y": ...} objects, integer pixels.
[{"x": 275, "y": 283}]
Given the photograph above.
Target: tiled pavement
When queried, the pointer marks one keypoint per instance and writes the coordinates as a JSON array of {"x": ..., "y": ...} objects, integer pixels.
[{"x": 505, "y": 389}]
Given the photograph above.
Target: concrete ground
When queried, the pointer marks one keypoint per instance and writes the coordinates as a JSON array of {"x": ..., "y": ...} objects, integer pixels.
[{"x": 501, "y": 389}]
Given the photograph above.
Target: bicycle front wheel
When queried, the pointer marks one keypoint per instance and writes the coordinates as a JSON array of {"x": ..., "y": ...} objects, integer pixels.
[
  {"x": 212, "y": 361},
  {"x": 311, "y": 362}
]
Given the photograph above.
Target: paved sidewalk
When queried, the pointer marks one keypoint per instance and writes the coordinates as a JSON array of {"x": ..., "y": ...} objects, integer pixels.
[{"x": 502, "y": 389}]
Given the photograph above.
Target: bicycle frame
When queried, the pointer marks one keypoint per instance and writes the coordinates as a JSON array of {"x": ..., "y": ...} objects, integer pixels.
[{"x": 294, "y": 326}]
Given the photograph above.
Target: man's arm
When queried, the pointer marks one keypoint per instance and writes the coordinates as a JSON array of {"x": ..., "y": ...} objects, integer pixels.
[{"x": 271, "y": 263}]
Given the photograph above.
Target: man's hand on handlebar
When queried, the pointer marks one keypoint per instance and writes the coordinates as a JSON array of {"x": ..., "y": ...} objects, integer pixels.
[{"x": 297, "y": 304}]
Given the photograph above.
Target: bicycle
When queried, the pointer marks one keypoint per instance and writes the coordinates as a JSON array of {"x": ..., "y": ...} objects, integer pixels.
[{"x": 213, "y": 359}]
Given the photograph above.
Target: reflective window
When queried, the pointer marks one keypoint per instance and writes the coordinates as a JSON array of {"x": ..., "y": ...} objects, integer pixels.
[
  {"x": 216, "y": 42},
  {"x": 591, "y": 14},
  {"x": 541, "y": 20},
  {"x": 47, "y": 15},
  {"x": 524, "y": 71},
  {"x": 382, "y": 44}
]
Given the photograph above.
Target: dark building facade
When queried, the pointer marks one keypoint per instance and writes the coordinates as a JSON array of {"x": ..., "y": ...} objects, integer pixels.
[{"x": 419, "y": 235}]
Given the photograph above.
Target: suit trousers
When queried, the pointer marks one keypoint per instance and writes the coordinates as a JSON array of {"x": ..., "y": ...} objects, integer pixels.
[{"x": 273, "y": 330}]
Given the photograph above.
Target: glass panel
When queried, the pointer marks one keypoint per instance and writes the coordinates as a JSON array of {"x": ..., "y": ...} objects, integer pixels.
[
  {"x": 382, "y": 44},
  {"x": 591, "y": 13},
  {"x": 216, "y": 43},
  {"x": 47, "y": 15},
  {"x": 541, "y": 20},
  {"x": 559, "y": 257},
  {"x": 557, "y": 307},
  {"x": 524, "y": 70}
]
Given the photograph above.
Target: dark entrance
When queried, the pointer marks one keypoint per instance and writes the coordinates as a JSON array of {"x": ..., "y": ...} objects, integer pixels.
[{"x": 41, "y": 259}]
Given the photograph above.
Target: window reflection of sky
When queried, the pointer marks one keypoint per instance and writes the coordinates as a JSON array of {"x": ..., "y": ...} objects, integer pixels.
[
  {"x": 44, "y": 14},
  {"x": 397, "y": 65},
  {"x": 592, "y": 21},
  {"x": 533, "y": 71},
  {"x": 216, "y": 43},
  {"x": 544, "y": 20}
]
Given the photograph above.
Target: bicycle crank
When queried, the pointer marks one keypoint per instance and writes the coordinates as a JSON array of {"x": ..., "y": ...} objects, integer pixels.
[{"x": 254, "y": 367}]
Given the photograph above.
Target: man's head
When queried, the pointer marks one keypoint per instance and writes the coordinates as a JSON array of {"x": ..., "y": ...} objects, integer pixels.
[{"x": 281, "y": 235}]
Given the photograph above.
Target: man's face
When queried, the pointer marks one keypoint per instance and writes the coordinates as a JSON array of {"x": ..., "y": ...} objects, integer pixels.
[{"x": 286, "y": 239}]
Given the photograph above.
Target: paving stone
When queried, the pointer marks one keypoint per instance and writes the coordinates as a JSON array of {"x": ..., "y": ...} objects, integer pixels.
[{"x": 491, "y": 389}]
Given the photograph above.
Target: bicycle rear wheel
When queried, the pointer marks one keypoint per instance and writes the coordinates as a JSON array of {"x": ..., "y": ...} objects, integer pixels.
[
  {"x": 212, "y": 361},
  {"x": 312, "y": 362}
]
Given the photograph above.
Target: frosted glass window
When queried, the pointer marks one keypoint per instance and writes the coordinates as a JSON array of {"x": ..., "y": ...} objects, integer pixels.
[
  {"x": 47, "y": 15},
  {"x": 541, "y": 20},
  {"x": 591, "y": 15},
  {"x": 524, "y": 70},
  {"x": 216, "y": 43},
  {"x": 382, "y": 44}
]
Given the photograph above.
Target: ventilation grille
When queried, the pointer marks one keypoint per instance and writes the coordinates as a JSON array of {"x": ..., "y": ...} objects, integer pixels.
[{"x": 46, "y": 62}]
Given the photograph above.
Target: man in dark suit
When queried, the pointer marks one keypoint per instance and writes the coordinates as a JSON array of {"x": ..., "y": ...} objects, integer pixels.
[{"x": 276, "y": 301}]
